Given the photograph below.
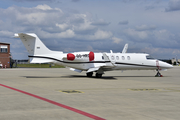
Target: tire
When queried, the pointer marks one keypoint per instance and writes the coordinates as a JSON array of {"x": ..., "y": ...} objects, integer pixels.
[
  {"x": 98, "y": 75},
  {"x": 89, "y": 74}
]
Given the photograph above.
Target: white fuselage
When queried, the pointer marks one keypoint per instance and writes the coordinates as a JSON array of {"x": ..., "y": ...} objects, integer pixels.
[{"x": 117, "y": 61}]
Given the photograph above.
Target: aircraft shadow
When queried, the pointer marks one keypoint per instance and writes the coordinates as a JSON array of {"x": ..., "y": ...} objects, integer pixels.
[
  {"x": 133, "y": 76},
  {"x": 71, "y": 76},
  {"x": 83, "y": 76},
  {"x": 41, "y": 76}
]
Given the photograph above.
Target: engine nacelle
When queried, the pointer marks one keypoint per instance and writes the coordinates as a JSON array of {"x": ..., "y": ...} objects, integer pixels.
[
  {"x": 91, "y": 56},
  {"x": 81, "y": 56},
  {"x": 70, "y": 56}
]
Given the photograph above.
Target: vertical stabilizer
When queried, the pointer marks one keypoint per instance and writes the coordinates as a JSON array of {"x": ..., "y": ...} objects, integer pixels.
[{"x": 33, "y": 44}]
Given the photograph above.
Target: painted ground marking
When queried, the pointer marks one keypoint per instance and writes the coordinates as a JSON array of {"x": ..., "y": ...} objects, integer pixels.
[{"x": 56, "y": 103}]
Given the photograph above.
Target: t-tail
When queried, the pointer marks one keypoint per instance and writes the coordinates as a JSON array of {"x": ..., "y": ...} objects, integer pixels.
[{"x": 36, "y": 48}]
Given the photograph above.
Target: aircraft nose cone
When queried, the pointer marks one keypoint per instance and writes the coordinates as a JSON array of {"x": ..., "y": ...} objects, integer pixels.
[
  {"x": 170, "y": 66},
  {"x": 165, "y": 65}
]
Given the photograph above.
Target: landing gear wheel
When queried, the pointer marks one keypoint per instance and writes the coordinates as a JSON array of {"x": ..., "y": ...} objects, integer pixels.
[
  {"x": 98, "y": 75},
  {"x": 89, "y": 74},
  {"x": 158, "y": 74}
]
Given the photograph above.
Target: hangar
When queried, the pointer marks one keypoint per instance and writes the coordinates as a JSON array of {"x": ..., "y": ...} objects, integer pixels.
[{"x": 5, "y": 55}]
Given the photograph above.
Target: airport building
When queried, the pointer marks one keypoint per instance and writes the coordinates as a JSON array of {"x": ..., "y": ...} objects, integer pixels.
[{"x": 5, "y": 55}]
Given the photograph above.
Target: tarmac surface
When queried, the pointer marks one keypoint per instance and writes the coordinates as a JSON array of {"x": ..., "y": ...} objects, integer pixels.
[{"x": 61, "y": 94}]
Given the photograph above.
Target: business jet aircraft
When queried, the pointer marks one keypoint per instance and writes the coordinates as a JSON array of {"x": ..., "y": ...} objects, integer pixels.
[{"x": 89, "y": 61}]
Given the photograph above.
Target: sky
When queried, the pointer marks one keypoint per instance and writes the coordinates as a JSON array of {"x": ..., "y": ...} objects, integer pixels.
[{"x": 148, "y": 26}]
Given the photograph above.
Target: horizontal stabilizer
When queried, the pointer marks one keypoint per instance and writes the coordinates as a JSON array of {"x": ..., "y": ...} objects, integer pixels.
[
  {"x": 40, "y": 60},
  {"x": 21, "y": 35}
]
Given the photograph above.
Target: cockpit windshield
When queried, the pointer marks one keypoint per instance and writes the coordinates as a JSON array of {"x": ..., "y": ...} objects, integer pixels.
[{"x": 149, "y": 57}]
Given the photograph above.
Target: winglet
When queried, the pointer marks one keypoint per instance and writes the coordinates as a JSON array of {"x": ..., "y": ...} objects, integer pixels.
[{"x": 125, "y": 48}]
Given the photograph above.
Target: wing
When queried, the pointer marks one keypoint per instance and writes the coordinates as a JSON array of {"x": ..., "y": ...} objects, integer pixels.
[{"x": 99, "y": 68}]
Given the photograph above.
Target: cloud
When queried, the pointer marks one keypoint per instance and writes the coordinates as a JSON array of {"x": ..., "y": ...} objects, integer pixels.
[
  {"x": 149, "y": 7},
  {"x": 100, "y": 22},
  {"x": 136, "y": 35},
  {"x": 165, "y": 39},
  {"x": 117, "y": 40},
  {"x": 48, "y": 23},
  {"x": 82, "y": 25},
  {"x": 76, "y": 27},
  {"x": 59, "y": 31},
  {"x": 75, "y": 0},
  {"x": 32, "y": 0},
  {"x": 145, "y": 27},
  {"x": 31, "y": 17},
  {"x": 174, "y": 5},
  {"x": 62, "y": 26},
  {"x": 124, "y": 22},
  {"x": 6, "y": 33},
  {"x": 43, "y": 7},
  {"x": 67, "y": 34},
  {"x": 99, "y": 34},
  {"x": 161, "y": 53}
]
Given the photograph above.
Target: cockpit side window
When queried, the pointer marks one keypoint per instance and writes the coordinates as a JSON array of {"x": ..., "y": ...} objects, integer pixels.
[{"x": 149, "y": 57}]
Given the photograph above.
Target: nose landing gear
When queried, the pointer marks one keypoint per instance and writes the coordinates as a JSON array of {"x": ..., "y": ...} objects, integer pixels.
[
  {"x": 158, "y": 68},
  {"x": 158, "y": 74}
]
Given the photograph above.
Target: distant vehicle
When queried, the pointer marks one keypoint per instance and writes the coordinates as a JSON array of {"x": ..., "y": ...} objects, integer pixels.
[
  {"x": 89, "y": 61},
  {"x": 177, "y": 61}
]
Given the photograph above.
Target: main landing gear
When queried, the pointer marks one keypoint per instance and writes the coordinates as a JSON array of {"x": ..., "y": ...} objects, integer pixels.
[
  {"x": 98, "y": 75},
  {"x": 90, "y": 74},
  {"x": 158, "y": 74}
]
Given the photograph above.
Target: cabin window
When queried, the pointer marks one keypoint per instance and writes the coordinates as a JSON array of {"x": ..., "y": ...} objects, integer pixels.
[
  {"x": 123, "y": 58},
  {"x": 117, "y": 57},
  {"x": 112, "y": 57},
  {"x": 128, "y": 57},
  {"x": 149, "y": 57},
  {"x": 103, "y": 57}
]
